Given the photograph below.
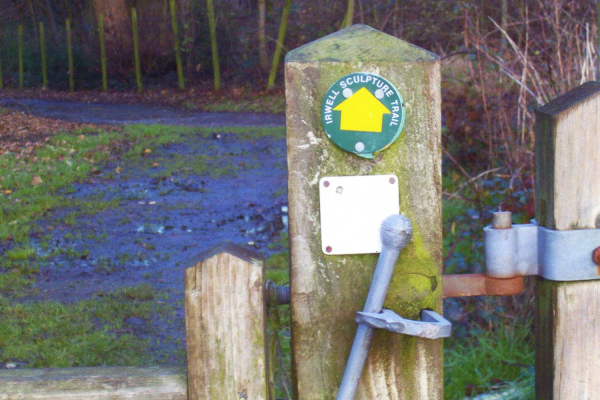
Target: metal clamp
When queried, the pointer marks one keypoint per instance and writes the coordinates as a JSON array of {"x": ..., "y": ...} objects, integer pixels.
[
  {"x": 529, "y": 249},
  {"x": 431, "y": 326}
]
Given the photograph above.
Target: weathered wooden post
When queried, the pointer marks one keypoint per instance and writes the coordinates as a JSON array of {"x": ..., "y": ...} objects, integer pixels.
[
  {"x": 327, "y": 290},
  {"x": 567, "y": 154},
  {"x": 70, "y": 56},
  {"x": 225, "y": 317},
  {"x": 176, "y": 45},
  {"x": 20, "y": 40},
  {"x": 102, "y": 52},
  {"x": 43, "y": 53},
  {"x": 136, "y": 49}
]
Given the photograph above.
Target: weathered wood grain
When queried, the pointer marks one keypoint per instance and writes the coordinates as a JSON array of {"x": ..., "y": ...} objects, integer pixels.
[
  {"x": 94, "y": 383},
  {"x": 225, "y": 313},
  {"x": 568, "y": 197},
  {"x": 327, "y": 290}
]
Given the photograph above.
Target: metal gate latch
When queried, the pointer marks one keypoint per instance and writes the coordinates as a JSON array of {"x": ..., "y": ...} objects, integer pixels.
[
  {"x": 431, "y": 326},
  {"x": 396, "y": 231}
]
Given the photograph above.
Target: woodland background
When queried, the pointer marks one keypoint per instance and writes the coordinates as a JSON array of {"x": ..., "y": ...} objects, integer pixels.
[{"x": 501, "y": 58}]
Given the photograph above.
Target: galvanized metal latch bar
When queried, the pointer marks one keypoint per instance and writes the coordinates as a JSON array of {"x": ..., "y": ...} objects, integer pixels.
[
  {"x": 431, "y": 326},
  {"x": 529, "y": 249},
  {"x": 396, "y": 231}
]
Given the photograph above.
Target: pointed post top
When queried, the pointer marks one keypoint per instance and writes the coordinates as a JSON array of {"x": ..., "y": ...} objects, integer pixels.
[
  {"x": 570, "y": 99},
  {"x": 359, "y": 43},
  {"x": 235, "y": 250}
]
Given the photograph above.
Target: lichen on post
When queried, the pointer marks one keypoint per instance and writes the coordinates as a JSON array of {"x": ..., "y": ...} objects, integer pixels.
[{"x": 327, "y": 290}]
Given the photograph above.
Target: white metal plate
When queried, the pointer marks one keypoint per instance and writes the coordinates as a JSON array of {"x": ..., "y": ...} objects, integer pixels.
[{"x": 352, "y": 210}]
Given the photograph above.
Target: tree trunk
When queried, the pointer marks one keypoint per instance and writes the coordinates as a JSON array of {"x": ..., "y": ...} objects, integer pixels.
[{"x": 117, "y": 34}]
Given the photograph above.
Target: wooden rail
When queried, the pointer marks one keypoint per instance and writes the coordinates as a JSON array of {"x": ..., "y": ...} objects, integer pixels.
[{"x": 95, "y": 383}]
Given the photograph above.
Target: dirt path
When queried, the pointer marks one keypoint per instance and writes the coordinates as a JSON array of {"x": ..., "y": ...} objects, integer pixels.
[
  {"x": 168, "y": 206},
  {"x": 138, "y": 114}
]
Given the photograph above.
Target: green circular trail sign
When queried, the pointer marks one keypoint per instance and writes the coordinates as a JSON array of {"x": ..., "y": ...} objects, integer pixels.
[{"x": 363, "y": 113}]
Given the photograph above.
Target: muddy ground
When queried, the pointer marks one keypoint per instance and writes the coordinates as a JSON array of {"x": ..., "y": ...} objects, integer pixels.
[{"x": 159, "y": 223}]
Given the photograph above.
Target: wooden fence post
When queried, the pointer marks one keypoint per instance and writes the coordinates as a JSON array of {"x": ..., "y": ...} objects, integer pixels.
[
  {"x": 212, "y": 28},
  {"x": 225, "y": 316},
  {"x": 176, "y": 45},
  {"x": 285, "y": 12},
  {"x": 43, "y": 52},
  {"x": 326, "y": 291},
  {"x": 136, "y": 50},
  {"x": 70, "y": 56},
  {"x": 20, "y": 40},
  {"x": 102, "y": 52},
  {"x": 567, "y": 151}
]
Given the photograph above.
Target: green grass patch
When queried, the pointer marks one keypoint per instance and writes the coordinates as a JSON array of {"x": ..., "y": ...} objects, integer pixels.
[
  {"x": 15, "y": 284},
  {"x": 20, "y": 253},
  {"x": 267, "y": 103},
  {"x": 499, "y": 360},
  {"x": 88, "y": 332}
]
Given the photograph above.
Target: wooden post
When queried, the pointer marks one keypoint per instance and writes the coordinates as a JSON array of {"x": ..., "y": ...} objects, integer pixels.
[
  {"x": 43, "y": 51},
  {"x": 326, "y": 291},
  {"x": 70, "y": 56},
  {"x": 136, "y": 50},
  {"x": 175, "y": 27},
  {"x": 212, "y": 28},
  {"x": 279, "y": 45},
  {"x": 20, "y": 40},
  {"x": 225, "y": 315},
  {"x": 567, "y": 151},
  {"x": 102, "y": 52}
]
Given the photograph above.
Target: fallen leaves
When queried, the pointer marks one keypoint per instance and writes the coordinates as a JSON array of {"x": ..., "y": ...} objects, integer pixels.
[
  {"x": 36, "y": 180},
  {"x": 21, "y": 133}
]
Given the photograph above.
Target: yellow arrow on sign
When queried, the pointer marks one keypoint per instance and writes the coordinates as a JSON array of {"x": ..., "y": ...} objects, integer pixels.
[{"x": 362, "y": 112}]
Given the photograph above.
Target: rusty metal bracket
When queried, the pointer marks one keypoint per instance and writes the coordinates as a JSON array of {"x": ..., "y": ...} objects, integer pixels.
[
  {"x": 466, "y": 285},
  {"x": 515, "y": 251}
]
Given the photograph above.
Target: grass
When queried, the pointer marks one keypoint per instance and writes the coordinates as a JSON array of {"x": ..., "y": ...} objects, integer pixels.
[
  {"x": 500, "y": 360},
  {"x": 85, "y": 333}
]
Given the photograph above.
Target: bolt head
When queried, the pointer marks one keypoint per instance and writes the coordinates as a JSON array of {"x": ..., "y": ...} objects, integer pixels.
[{"x": 596, "y": 255}]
